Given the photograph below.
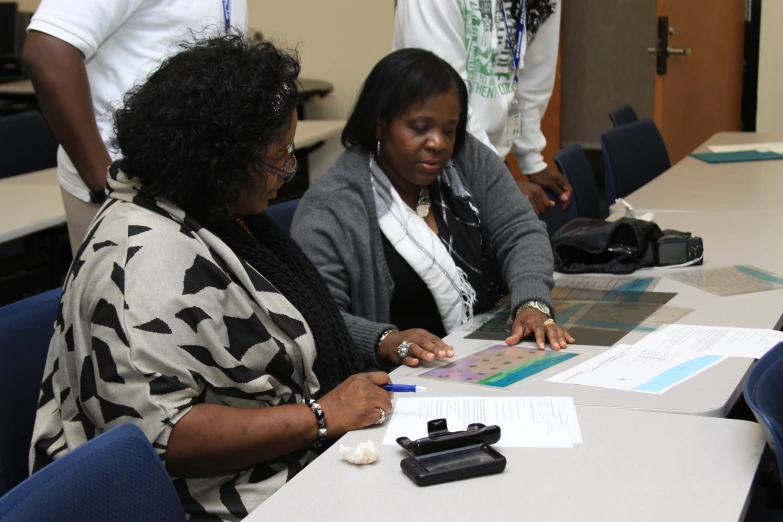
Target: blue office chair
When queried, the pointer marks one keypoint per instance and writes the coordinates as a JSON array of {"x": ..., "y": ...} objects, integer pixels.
[
  {"x": 26, "y": 144},
  {"x": 622, "y": 115},
  {"x": 574, "y": 165},
  {"x": 764, "y": 395},
  {"x": 634, "y": 154},
  {"x": 25, "y": 331},
  {"x": 283, "y": 213},
  {"x": 116, "y": 476}
]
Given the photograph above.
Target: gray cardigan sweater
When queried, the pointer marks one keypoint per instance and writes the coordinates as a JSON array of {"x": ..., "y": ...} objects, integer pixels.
[{"x": 337, "y": 226}]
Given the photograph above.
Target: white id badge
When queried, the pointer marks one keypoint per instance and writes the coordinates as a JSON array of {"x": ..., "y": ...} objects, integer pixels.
[{"x": 514, "y": 122}]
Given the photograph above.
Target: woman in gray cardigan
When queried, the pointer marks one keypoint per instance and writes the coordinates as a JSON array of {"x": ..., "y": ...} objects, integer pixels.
[{"x": 418, "y": 225}]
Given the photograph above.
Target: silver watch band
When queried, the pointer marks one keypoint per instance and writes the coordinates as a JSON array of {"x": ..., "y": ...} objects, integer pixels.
[{"x": 538, "y": 305}]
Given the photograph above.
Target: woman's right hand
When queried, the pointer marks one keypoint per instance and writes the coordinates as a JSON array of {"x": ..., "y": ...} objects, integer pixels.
[
  {"x": 356, "y": 403},
  {"x": 423, "y": 345}
]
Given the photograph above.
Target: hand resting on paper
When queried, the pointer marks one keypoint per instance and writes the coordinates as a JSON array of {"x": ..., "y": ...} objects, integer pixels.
[
  {"x": 531, "y": 321},
  {"x": 424, "y": 346}
]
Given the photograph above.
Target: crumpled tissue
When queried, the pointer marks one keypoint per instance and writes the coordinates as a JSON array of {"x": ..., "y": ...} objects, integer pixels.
[{"x": 363, "y": 453}]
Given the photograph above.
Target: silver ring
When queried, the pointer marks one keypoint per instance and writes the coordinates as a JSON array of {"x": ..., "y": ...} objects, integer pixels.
[
  {"x": 403, "y": 349},
  {"x": 383, "y": 417},
  {"x": 548, "y": 322}
]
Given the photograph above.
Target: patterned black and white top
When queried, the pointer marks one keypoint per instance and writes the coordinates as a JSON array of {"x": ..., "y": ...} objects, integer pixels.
[{"x": 158, "y": 315}]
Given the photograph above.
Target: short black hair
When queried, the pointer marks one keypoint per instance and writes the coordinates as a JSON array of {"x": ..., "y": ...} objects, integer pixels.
[
  {"x": 401, "y": 79},
  {"x": 195, "y": 132}
]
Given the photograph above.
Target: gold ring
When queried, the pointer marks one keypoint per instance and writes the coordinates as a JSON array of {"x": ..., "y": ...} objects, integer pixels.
[{"x": 548, "y": 322}]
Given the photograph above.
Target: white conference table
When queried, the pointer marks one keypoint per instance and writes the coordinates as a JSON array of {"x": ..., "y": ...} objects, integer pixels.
[
  {"x": 694, "y": 185},
  {"x": 729, "y": 238},
  {"x": 31, "y": 202},
  {"x": 640, "y": 466},
  {"x": 637, "y": 462}
]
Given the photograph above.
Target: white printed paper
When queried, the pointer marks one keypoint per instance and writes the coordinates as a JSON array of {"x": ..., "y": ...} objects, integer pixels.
[
  {"x": 774, "y": 146},
  {"x": 714, "y": 340},
  {"x": 633, "y": 368},
  {"x": 525, "y": 422}
]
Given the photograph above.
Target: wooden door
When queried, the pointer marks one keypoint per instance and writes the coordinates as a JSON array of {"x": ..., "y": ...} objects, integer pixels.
[{"x": 699, "y": 93}]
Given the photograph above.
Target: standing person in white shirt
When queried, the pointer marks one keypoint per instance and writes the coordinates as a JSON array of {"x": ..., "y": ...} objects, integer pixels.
[
  {"x": 83, "y": 57},
  {"x": 481, "y": 40}
]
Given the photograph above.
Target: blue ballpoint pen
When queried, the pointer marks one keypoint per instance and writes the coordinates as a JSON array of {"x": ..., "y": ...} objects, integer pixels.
[{"x": 403, "y": 388}]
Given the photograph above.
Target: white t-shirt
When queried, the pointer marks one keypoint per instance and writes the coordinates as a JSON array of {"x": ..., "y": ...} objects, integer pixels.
[{"x": 123, "y": 41}]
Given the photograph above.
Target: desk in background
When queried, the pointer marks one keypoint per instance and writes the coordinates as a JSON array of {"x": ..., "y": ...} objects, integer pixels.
[
  {"x": 17, "y": 96},
  {"x": 29, "y": 203},
  {"x": 20, "y": 96},
  {"x": 19, "y": 88},
  {"x": 694, "y": 185},
  {"x": 32, "y": 202}
]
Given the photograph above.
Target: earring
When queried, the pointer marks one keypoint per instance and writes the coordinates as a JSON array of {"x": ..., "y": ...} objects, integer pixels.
[{"x": 378, "y": 149}]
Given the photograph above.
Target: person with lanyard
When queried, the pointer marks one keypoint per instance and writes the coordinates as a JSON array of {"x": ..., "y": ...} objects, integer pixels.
[
  {"x": 506, "y": 52},
  {"x": 83, "y": 56},
  {"x": 418, "y": 226}
]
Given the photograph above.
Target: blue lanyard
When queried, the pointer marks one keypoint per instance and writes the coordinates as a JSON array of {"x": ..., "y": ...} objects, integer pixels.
[
  {"x": 516, "y": 53},
  {"x": 227, "y": 14}
]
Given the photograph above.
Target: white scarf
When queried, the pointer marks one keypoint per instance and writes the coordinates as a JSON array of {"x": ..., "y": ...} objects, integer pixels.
[{"x": 423, "y": 250}]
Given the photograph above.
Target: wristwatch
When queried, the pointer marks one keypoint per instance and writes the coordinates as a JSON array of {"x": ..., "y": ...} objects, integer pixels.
[
  {"x": 538, "y": 305},
  {"x": 98, "y": 196}
]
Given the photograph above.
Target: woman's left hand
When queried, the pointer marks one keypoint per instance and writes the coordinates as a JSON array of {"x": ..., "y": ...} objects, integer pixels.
[
  {"x": 422, "y": 346},
  {"x": 532, "y": 321}
]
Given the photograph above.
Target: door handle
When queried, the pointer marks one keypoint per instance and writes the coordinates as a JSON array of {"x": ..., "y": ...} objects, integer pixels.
[
  {"x": 670, "y": 51},
  {"x": 662, "y": 51}
]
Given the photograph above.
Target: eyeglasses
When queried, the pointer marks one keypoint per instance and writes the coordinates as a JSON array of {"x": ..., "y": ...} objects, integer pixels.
[{"x": 289, "y": 167}]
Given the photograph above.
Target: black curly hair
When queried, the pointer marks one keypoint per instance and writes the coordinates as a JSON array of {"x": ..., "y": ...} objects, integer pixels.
[{"x": 195, "y": 131}]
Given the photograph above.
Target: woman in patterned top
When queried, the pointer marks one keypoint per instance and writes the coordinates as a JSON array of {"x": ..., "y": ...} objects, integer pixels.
[{"x": 187, "y": 311}]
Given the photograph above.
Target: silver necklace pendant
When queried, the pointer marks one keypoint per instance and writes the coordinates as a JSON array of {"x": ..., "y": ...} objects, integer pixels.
[{"x": 423, "y": 205}]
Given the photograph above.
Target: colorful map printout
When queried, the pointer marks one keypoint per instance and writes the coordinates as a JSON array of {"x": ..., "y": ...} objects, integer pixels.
[{"x": 499, "y": 366}]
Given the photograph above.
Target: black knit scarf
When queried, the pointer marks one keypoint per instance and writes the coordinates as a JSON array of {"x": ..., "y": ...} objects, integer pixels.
[
  {"x": 272, "y": 252},
  {"x": 460, "y": 231}
]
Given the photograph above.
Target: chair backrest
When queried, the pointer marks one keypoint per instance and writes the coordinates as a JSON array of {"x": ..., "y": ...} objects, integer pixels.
[
  {"x": 283, "y": 213},
  {"x": 574, "y": 165},
  {"x": 555, "y": 217},
  {"x": 634, "y": 154},
  {"x": 26, "y": 144},
  {"x": 116, "y": 476},
  {"x": 25, "y": 331},
  {"x": 622, "y": 115},
  {"x": 764, "y": 395}
]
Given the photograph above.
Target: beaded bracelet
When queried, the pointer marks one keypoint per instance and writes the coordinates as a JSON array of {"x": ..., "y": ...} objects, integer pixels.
[
  {"x": 383, "y": 336},
  {"x": 321, "y": 419}
]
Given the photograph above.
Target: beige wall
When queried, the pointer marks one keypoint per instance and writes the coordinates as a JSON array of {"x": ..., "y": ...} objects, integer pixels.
[
  {"x": 339, "y": 41},
  {"x": 769, "y": 115},
  {"x": 28, "y": 6}
]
